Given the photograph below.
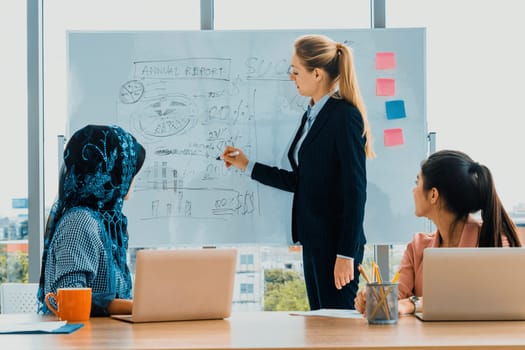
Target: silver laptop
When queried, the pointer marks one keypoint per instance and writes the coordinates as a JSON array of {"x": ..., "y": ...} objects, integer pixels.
[
  {"x": 182, "y": 284},
  {"x": 468, "y": 284}
]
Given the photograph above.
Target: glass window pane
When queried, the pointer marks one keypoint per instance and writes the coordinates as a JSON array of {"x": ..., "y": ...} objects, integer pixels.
[
  {"x": 291, "y": 14},
  {"x": 13, "y": 142},
  {"x": 99, "y": 15},
  {"x": 475, "y": 77},
  {"x": 246, "y": 288},
  {"x": 474, "y": 84},
  {"x": 177, "y": 15}
]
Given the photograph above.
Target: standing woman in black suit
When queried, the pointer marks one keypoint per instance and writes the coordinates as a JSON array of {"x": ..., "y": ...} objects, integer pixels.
[{"x": 328, "y": 176}]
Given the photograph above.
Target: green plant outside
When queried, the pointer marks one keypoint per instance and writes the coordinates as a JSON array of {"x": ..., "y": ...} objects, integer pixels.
[
  {"x": 284, "y": 291},
  {"x": 13, "y": 266}
]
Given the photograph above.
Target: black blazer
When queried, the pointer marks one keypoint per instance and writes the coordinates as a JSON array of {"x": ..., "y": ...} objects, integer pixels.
[{"x": 329, "y": 183}]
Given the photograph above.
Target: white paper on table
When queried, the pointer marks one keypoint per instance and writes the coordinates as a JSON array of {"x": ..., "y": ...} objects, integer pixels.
[
  {"x": 45, "y": 326},
  {"x": 341, "y": 313}
]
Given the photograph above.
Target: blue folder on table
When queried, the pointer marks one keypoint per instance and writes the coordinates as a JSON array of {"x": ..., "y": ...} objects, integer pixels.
[{"x": 33, "y": 328}]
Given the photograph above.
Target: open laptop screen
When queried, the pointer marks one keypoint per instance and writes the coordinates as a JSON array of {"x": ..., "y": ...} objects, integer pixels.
[
  {"x": 473, "y": 284},
  {"x": 183, "y": 284}
]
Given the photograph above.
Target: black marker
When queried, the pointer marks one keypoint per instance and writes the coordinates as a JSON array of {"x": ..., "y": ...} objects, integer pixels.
[{"x": 231, "y": 154}]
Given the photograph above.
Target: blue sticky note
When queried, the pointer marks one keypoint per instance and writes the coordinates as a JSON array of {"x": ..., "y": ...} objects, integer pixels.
[{"x": 395, "y": 109}]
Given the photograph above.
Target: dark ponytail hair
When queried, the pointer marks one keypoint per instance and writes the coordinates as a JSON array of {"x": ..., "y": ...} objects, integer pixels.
[{"x": 467, "y": 187}]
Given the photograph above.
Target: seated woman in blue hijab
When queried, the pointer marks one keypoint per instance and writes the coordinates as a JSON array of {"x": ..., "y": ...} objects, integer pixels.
[{"x": 86, "y": 239}]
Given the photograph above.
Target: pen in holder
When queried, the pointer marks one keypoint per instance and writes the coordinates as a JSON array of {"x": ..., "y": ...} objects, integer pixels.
[{"x": 381, "y": 303}]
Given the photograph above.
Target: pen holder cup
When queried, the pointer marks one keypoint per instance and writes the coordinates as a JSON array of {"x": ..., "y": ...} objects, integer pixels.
[{"x": 381, "y": 303}]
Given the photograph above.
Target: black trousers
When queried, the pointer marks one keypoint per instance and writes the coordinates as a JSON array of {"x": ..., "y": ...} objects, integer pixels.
[{"x": 318, "y": 264}]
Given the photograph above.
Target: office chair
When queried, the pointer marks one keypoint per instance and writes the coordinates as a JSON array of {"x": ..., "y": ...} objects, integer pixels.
[{"x": 18, "y": 298}]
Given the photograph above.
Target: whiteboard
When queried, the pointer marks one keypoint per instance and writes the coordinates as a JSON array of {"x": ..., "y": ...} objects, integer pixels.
[{"x": 185, "y": 95}]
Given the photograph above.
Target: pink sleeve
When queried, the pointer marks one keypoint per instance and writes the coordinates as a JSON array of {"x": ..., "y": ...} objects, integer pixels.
[
  {"x": 407, "y": 273},
  {"x": 411, "y": 266}
]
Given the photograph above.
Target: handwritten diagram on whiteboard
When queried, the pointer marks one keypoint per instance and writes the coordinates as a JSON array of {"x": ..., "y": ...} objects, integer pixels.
[{"x": 186, "y": 95}]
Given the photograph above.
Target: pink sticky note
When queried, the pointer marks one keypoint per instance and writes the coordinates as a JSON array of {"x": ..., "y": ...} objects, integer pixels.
[
  {"x": 393, "y": 137},
  {"x": 385, "y": 87},
  {"x": 385, "y": 60}
]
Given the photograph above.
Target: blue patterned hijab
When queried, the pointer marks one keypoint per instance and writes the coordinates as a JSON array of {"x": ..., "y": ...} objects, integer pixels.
[{"x": 99, "y": 165}]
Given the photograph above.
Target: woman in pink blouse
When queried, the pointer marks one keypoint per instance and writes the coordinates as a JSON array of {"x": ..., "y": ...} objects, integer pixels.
[{"x": 449, "y": 188}]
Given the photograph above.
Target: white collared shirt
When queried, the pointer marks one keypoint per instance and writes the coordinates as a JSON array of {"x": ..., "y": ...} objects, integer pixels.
[{"x": 311, "y": 113}]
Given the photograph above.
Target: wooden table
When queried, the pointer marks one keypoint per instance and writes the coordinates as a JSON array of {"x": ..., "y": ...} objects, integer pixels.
[{"x": 276, "y": 330}]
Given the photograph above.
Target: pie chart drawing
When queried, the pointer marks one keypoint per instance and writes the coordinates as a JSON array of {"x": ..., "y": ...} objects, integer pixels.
[
  {"x": 167, "y": 116},
  {"x": 131, "y": 91}
]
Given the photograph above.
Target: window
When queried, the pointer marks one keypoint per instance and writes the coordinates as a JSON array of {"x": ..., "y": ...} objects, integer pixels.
[
  {"x": 474, "y": 81},
  {"x": 474, "y": 74},
  {"x": 246, "y": 259},
  {"x": 246, "y": 288},
  {"x": 291, "y": 14},
  {"x": 169, "y": 15},
  {"x": 13, "y": 143},
  {"x": 93, "y": 15}
]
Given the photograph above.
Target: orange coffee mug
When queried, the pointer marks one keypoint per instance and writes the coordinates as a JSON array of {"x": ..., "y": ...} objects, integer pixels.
[{"x": 72, "y": 304}]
